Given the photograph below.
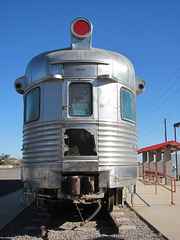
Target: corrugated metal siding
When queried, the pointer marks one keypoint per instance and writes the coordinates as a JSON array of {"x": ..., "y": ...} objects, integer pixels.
[
  {"x": 42, "y": 143},
  {"x": 117, "y": 144}
]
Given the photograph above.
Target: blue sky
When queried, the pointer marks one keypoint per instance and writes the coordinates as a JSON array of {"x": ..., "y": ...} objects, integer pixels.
[{"x": 146, "y": 32}]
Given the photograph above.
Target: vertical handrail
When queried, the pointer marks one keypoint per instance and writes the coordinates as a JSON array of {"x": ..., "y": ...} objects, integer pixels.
[
  {"x": 156, "y": 181},
  {"x": 173, "y": 180},
  {"x": 172, "y": 202},
  {"x": 144, "y": 175},
  {"x": 174, "y": 185}
]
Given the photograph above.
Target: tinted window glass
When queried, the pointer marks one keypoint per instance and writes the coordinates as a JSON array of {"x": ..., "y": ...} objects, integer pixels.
[
  {"x": 80, "y": 99},
  {"x": 127, "y": 104},
  {"x": 32, "y": 106}
]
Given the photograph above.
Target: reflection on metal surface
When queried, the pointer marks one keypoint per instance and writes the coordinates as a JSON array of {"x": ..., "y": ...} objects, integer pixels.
[{"x": 79, "y": 134}]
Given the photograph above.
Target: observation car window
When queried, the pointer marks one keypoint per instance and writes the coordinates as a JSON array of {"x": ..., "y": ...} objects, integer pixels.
[
  {"x": 127, "y": 105},
  {"x": 32, "y": 105},
  {"x": 80, "y": 99}
]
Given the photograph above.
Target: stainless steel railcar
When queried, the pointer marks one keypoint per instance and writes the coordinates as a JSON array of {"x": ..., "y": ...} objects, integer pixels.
[{"x": 79, "y": 133}]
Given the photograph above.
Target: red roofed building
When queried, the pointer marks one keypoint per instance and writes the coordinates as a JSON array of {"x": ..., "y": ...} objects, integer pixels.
[{"x": 165, "y": 148}]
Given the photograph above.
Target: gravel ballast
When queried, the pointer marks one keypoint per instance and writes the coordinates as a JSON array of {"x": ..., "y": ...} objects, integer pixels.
[{"x": 67, "y": 226}]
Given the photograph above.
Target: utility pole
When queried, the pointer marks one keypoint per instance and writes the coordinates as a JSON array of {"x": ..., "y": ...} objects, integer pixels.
[{"x": 166, "y": 128}]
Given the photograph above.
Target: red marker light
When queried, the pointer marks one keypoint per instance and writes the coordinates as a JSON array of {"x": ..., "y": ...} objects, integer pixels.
[{"x": 81, "y": 28}]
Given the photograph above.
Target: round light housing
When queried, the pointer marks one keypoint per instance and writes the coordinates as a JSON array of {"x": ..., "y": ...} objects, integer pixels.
[{"x": 81, "y": 28}]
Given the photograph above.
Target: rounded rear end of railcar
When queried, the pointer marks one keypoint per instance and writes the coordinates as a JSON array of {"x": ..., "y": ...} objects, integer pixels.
[{"x": 79, "y": 133}]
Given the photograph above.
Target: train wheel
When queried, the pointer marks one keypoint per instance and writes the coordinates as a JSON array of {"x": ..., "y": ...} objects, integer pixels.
[{"x": 109, "y": 199}]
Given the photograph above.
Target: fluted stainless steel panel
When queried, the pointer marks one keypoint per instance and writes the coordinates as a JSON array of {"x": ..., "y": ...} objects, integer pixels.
[
  {"x": 42, "y": 143},
  {"x": 117, "y": 144}
]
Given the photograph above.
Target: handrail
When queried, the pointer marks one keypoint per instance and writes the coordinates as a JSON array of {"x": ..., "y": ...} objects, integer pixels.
[{"x": 155, "y": 174}]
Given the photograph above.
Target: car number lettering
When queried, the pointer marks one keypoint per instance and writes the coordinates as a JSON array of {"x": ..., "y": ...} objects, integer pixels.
[{"x": 80, "y": 69}]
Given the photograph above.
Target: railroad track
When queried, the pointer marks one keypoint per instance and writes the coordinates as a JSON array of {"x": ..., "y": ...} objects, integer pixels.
[
  {"x": 38, "y": 224},
  {"x": 33, "y": 223}
]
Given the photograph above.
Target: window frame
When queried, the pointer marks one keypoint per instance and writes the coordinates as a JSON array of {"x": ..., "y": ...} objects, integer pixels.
[
  {"x": 91, "y": 109},
  {"x": 121, "y": 104},
  {"x": 25, "y": 109}
]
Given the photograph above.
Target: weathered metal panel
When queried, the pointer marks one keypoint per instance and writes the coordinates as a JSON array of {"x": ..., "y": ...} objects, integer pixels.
[
  {"x": 108, "y": 101},
  {"x": 52, "y": 101},
  {"x": 42, "y": 143},
  {"x": 117, "y": 144},
  {"x": 85, "y": 165},
  {"x": 123, "y": 176},
  {"x": 42, "y": 177}
]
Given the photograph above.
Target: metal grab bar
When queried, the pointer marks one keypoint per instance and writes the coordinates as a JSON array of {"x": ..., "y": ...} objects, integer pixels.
[{"x": 157, "y": 174}]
